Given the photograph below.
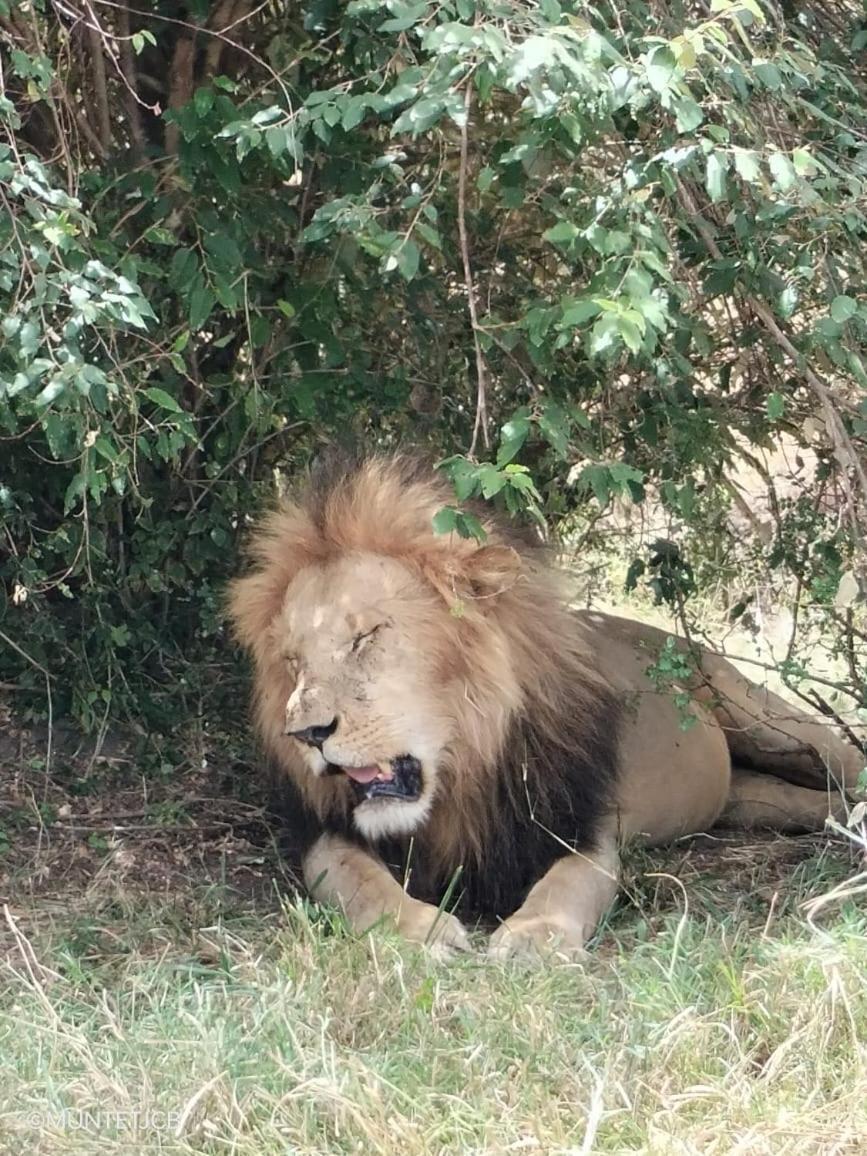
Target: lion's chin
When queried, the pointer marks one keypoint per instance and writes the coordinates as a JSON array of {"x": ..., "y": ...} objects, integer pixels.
[
  {"x": 390, "y": 798},
  {"x": 387, "y": 818}
]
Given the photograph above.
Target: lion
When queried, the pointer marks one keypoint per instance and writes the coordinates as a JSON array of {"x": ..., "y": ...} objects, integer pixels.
[{"x": 442, "y": 721}]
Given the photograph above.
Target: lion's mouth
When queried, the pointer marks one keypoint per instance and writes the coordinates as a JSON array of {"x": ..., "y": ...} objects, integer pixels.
[{"x": 399, "y": 779}]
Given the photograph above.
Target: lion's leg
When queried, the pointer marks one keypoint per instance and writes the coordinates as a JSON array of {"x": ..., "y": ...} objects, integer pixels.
[
  {"x": 768, "y": 733},
  {"x": 759, "y": 800},
  {"x": 338, "y": 872},
  {"x": 562, "y": 910}
]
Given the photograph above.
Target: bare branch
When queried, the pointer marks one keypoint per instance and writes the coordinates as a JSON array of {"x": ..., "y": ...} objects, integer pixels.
[
  {"x": 181, "y": 83},
  {"x": 228, "y": 14},
  {"x": 99, "y": 86},
  {"x": 128, "y": 68},
  {"x": 481, "y": 423},
  {"x": 847, "y": 456}
]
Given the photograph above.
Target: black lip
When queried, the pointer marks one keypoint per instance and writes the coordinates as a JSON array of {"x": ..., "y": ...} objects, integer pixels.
[{"x": 405, "y": 786}]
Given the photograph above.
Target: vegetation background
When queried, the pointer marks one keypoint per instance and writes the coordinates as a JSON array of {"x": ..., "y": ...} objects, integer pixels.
[{"x": 607, "y": 261}]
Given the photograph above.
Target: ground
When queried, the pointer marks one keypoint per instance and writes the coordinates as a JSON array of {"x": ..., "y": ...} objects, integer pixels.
[{"x": 165, "y": 989}]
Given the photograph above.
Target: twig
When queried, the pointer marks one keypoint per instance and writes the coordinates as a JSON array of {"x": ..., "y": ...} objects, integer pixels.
[
  {"x": 181, "y": 84},
  {"x": 481, "y": 422},
  {"x": 196, "y": 29},
  {"x": 128, "y": 68},
  {"x": 227, "y": 16},
  {"x": 851, "y": 659},
  {"x": 845, "y": 452},
  {"x": 50, "y": 740},
  {"x": 100, "y": 87},
  {"x": 163, "y": 828},
  {"x": 825, "y": 707}
]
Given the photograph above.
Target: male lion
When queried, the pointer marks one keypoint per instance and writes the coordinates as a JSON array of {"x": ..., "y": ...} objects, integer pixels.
[{"x": 433, "y": 702}]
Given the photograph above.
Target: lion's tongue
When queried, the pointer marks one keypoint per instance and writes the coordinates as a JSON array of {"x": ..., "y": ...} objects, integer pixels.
[{"x": 362, "y": 774}]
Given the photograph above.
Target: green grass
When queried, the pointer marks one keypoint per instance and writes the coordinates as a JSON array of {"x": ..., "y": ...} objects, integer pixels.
[{"x": 711, "y": 1018}]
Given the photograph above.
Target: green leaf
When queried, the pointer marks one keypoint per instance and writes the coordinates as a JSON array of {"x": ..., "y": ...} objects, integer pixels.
[
  {"x": 561, "y": 232},
  {"x": 104, "y": 447},
  {"x": 804, "y": 164},
  {"x": 604, "y": 334},
  {"x": 420, "y": 116},
  {"x": 843, "y": 307},
  {"x": 554, "y": 427},
  {"x": 76, "y": 489},
  {"x": 445, "y": 520},
  {"x": 630, "y": 333},
  {"x": 162, "y": 399},
  {"x": 406, "y": 16},
  {"x": 183, "y": 269},
  {"x": 578, "y": 313},
  {"x": 653, "y": 311},
  {"x": 405, "y": 259},
  {"x": 353, "y": 114},
  {"x": 512, "y": 437},
  {"x": 278, "y": 139},
  {"x": 715, "y": 177},
  {"x": 660, "y": 68},
  {"x": 747, "y": 165},
  {"x": 469, "y": 526},
  {"x": 203, "y": 100},
  {"x": 688, "y": 114},
  {"x": 787, "y": 301},
  {"x": 782, "y": 171},
  {"x": 775, "y": 405},
  {"x": 429, "y": 234},
  {"x": 769, "y": 75},
  {"x": 202, "y": 301},
  {"x": 491, "y": 480},
  {"x": 464, "y": 479}
]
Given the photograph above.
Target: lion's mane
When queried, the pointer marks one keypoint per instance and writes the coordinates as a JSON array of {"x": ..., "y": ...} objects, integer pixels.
[{"x": 533, "y": 766}]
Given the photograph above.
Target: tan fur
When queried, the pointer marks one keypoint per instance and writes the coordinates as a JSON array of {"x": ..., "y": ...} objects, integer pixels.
[{"x": 465, "y": 639}]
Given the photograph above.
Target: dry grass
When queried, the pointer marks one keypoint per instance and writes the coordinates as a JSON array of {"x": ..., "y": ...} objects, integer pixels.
[{"x": 710, "y": 1019}]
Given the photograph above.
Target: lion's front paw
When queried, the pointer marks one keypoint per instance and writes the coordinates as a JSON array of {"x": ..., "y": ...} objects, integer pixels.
[
  {"x": 534, "y": 938},
  {"x": 441, "y": 933}
]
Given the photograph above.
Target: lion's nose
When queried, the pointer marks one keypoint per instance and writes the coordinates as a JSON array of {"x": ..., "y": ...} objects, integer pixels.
[{"x": 315, "y": 736}]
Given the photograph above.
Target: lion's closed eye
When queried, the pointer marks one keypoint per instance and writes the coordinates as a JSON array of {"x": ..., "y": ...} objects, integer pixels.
[{"x": 360, "y": 640}]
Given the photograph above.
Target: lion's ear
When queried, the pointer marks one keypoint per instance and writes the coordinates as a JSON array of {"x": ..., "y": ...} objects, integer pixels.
[
  {"x": 492, "y": 569},
  {"x": 476, "y": 576}
]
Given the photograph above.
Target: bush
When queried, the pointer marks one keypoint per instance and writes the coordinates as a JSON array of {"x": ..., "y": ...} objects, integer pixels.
[{"x": 587, "y": 253}]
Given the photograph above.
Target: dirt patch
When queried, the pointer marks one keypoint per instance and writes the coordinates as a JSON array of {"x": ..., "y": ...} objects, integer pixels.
[{"x": 81, "y": 819}]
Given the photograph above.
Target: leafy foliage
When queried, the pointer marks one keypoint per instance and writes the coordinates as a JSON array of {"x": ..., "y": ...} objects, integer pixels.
[{"x": 590, "y": 254}]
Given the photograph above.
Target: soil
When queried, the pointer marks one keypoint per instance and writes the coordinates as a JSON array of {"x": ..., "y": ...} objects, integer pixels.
[
  {"x": 87, "y": 821},
  {"x": 77, "y": 810}
]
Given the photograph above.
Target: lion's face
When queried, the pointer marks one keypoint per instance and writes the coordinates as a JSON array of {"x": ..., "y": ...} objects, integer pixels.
[{"x": 362, "y": 637}]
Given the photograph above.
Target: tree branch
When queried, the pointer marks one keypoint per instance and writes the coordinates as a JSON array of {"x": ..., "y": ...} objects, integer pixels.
[
  {"x": 128, "y": 68},
  {"x": 481, "y": 422},
  {"x": 181, "y": 85},
  {"x": 844, "y": 451},
  {"x": 100, "y": 87}
]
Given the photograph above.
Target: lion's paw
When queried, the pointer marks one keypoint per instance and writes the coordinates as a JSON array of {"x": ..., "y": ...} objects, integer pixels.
[
  {"x": 536, "y": 939},
  {"x": 441, "y": 933}
]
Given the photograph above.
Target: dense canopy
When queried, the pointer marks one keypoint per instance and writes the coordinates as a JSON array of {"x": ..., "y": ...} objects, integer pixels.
[{"x": 593, "y": 255}]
